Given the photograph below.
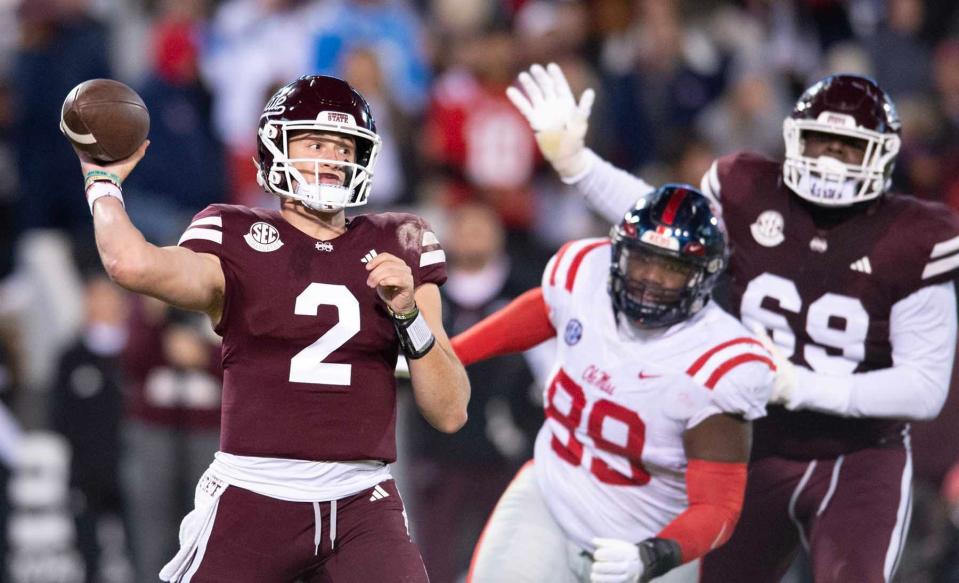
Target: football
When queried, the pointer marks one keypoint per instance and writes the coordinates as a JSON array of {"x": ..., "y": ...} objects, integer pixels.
[{"x": 104, "y": 119}]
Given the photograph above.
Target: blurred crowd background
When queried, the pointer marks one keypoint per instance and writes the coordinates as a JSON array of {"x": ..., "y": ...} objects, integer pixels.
[{"x": 112, "y": 400}]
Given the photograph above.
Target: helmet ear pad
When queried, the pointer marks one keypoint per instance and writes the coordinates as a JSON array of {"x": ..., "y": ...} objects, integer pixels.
[
  {"x": 848, "y": 107},
  {"x": 317, "y": 103},
  {"x": 673, "y": 226}
]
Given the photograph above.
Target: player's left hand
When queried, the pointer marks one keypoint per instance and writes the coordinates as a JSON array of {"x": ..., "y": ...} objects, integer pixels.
[
  {"x": 615, "y": 561},
  {"x": 784, "y": 384},
  {"x": 393, "y": 280}
]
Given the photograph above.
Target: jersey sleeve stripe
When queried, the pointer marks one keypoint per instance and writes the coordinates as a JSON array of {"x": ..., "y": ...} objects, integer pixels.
[
  {"x": 206, "y": 234},
  {"x": 732, "y": 363},
  {"x": 701, "y": 361},
  {"x": 945, "y": 247},
  {"x": 431, "y": 257},
  {"x": 429, "y": 238},
  {"x": 939, "y": 266},
  {"x": 710, "y": 182},
  {"x": 557, "y": 260},
  {"x": 578, "y": 260},
  {"x": 212, "y": 221}
]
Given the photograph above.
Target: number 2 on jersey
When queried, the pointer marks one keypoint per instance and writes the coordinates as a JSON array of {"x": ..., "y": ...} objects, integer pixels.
[
  {"x": 572, "y": 451},
  {"x": 308, "y": 366}
]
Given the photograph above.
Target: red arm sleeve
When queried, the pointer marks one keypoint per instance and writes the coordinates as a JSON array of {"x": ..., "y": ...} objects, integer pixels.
[
  {"x": 715, "y": 491},
  {"x": 519, "y": 326}
]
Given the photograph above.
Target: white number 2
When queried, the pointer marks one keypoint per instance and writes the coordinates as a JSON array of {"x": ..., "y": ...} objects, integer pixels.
[{"x": 308, "y": 366}]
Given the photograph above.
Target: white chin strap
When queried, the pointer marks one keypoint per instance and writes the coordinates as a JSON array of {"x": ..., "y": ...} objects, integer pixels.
[{"x": 322, "y": 197}]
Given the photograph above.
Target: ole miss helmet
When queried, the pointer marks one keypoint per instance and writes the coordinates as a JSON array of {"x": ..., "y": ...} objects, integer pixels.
[{"x": 670, "y": 236}]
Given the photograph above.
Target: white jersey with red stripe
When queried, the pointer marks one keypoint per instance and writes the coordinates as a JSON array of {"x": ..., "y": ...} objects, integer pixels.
[{"x": 610, "y": 458}]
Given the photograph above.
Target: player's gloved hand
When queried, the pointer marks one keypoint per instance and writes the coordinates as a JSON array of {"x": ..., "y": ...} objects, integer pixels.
[
  {"x": 784, "y": 384},
  {"x": 559, "y": 122},
  {"x": 615, "y": 561}
]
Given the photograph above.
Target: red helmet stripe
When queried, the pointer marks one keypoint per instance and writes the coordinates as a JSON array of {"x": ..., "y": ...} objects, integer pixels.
[{"x": 676, "y": 199}]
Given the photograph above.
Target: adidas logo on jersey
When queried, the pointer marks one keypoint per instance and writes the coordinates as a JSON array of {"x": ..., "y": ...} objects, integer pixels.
[
  {"x": 378, "y": 493},
  {"x": 369, "y": 256},
  {"x": 324, "y": 246},
  {"x": 861, "y": 265}
]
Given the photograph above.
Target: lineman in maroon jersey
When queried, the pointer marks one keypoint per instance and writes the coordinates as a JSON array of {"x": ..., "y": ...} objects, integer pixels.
[
  {"x": 313, "y": 308},
  {"x": 854, "y": 286}
]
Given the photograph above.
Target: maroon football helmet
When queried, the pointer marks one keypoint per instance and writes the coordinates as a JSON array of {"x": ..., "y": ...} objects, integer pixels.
[
  {"x": 320, "y": 104},
  {"x": 849, "y": 106}
]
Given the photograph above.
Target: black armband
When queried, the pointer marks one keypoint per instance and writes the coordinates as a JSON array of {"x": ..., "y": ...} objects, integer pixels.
[
  {"x": 659, "y": 556},
  {"x": 416, "y": 338}
]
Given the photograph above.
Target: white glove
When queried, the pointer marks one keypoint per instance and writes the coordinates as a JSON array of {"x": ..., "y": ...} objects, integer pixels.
[
  {"x": 558, "y": 121},
  {"x": 784, "y": 383},
  {"x": 615, "y": 561}
]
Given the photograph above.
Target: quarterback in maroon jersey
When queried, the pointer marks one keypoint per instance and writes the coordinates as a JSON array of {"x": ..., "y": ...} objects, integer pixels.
[
  {"x": 853, "y": 288},
  {"x": 313, "y": 308}
]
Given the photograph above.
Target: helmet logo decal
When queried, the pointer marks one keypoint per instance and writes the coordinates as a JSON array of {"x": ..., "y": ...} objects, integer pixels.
[
  {"x": 336, "y": 117},
  {"x": 660, "y": 239},
  {"x": 263, "y": 237},
  {"x": 574, "y": 332},
  {"x": 837, "y": 119},
  {"x": 768, "y": 229},
  {"x": 275, "y": 105}
]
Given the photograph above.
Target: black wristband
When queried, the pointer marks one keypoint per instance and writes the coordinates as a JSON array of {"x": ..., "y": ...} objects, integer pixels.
[
  {"x": 659, "y": 556},
  {"x": 416, "y": 338}
]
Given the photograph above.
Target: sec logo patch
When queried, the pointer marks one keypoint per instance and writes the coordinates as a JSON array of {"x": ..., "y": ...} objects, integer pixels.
[
  {"x": 768, "y": 229},
  {"x": 263, "y": 237},
  {"x": 574, "y": 332}
]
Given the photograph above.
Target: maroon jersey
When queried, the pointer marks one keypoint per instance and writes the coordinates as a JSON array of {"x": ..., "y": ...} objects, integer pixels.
[
  {"x": 309, "y": 349},
  {"x": 826, "y": 293}
]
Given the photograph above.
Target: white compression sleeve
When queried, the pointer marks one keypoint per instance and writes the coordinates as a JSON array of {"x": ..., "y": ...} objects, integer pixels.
[{"x": 923, "y": 337}]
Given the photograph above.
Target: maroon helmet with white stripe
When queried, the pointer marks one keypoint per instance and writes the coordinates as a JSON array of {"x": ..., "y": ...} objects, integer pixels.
[
  {"x": 852, "y": 107},
  {"x": 317, "y": 103}
]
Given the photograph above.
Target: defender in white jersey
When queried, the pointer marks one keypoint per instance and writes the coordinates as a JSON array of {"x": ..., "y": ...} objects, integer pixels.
[
  {"x": 640, "y": 465},
  {"x": 853, "y": 283}
]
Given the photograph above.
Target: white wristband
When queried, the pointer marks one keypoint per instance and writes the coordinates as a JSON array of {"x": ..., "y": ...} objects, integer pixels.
[{"x": 100, "y": 189}]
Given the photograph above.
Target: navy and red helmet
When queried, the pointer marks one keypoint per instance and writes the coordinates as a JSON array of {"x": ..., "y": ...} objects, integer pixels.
[
  {"x": 852, "y": 107},
  {"x": 674, "y": 228},
  {"x": 317, "y": 103}
]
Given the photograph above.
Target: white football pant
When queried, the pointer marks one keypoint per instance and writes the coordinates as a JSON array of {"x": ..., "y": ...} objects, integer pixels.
[{"x": 522, "y": 543}]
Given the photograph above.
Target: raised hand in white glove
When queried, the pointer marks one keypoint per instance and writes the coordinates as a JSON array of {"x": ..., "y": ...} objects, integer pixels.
[
  {"x": 559, "y": 122},
  {"x": 615, "y": 561},
  {"x": 784, "y": 384}
]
